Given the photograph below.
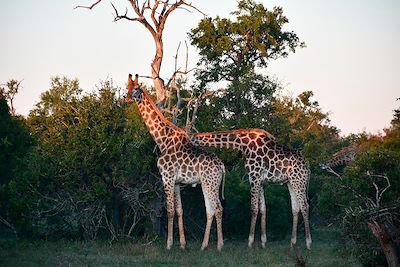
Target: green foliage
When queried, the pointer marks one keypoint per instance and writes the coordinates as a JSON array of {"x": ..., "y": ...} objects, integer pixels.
[
  {"x": 301, "y": 123},
  {"x": 237, "y": 211},
  {"x": 246, "y": 103},
  {"x": 229, "y": 48},
  {"x": 396, "y": 118},
  {"x": 14, "y": 141},
  {"x": 279, "y": 212},
  {"x": 88, "y": 159},
  {"x": 362, "y": 195}
]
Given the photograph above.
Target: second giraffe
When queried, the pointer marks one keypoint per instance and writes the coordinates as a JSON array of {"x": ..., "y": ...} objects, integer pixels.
[{"x": 266, "y": 161}]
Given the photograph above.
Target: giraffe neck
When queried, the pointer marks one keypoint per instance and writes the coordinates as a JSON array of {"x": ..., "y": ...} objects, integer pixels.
[
  {"x": 160, "y": 128},
  {"x": 342, "y": 158},
  {"x": 245, "y": 140}
]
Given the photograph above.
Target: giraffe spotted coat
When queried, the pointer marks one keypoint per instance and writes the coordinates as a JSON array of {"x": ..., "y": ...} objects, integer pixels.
[
  {"x": 183, "y": 163},
  {"x": 266, "y": 161}
]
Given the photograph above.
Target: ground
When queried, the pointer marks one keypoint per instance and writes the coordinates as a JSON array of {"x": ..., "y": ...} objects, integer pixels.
[{"x": 325, "y": 252}]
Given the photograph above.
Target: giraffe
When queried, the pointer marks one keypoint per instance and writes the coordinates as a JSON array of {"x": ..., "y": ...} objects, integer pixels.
[
  {"x": 182, "y": 163},
  {"x": 342, "y": 158},
  {"x": 266, "y": 161}
]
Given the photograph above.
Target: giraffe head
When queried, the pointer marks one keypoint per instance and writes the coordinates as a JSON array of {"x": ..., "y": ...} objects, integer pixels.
[
  {"x": 323, "y": 166},
  {"x": 137, "y": 95}
]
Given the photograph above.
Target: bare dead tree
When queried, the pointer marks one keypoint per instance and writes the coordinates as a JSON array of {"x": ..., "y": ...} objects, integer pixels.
[
  {"x": 139, "y": 203},
  {"x": 153, "y": 16},
  {"x": 380, "y": 219},
  {"x": 380, "y": 232},
  {"x": 193, "y": 105}
]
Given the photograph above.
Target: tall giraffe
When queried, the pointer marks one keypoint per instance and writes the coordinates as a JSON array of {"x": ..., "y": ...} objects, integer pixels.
[
  {"x": 183, "y": 163},
  {"x": 266, "y": 161},
  {"x": 342, "y": 158}
]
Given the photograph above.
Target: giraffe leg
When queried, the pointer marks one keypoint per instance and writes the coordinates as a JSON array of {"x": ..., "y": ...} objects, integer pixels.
[
  {"x": 305, "y": 212},
  {"x": 210, "y": 211},
  {"x": 218, "y": 218},
  {"x": 304, "y": 207},
  {"x": 263, "y": 211},
  {"x": 300, "y": 197},
  {"x": 255, "y": 196},
  {"x": 169, "y": 193},
  {"x": 179, "y": 213},
  {"x": 295, "y": 213}
]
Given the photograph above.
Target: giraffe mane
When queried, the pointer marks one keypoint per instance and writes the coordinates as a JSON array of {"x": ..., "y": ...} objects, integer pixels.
[
  {"x": 158, "y": 112},
  {"x": 237, "y": 131}
]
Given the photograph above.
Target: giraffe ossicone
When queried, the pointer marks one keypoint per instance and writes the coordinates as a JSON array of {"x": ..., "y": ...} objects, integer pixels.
[
  {"x": 182, "y": 163},
  {"x": 266, "y": 161}
]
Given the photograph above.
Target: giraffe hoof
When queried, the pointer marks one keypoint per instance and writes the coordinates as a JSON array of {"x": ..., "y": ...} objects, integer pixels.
[
  {"x": 292, "y": 243},
  {"x": 263, "y": 240},
  {"x": 169, "y": 245},
  {"x": 251, "y": 241},
  {"x": 308, "y": 243}
]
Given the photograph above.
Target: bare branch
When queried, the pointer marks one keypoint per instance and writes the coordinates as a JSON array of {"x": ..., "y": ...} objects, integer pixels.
[
  {"x": 379, "y": 192},
  {"x": 187, "y": 56},
  {"x": 196, "y": 103},
  {"x": 163, "y": 16},
  {"x": 329, "y": 169},
  {"x": 386, "y": 188},
  {"x": 192, "y": 7},
  {"x": 117, "y": 16},
  {"x": 164, "y": 8},
  {"x": 153, "y": 12},
  {"x": 135, "y": 6},
  {"x": 350, "y": 188},
  {"x": 89, "y": 7},
  {"x": 176, "y": 56},
  {"x": 146, "y": 76}
]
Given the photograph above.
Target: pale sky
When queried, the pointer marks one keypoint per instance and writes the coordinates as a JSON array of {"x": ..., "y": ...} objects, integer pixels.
[{"x": 351, "y": 62}]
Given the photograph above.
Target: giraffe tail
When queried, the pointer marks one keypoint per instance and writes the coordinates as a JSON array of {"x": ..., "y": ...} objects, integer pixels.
[
  {"x": 308, "y": 181},
  {"x": 223, "y": 182}
]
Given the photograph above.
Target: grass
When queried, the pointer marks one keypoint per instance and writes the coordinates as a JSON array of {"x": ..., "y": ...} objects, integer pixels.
[{"x": 324, "y": 252}]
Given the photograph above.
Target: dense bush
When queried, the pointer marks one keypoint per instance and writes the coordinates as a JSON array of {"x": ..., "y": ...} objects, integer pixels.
[
  {"x": 88, "y": 171},
  {"x": 367, "y": 194},
  {"x": 83, "y": 164}
]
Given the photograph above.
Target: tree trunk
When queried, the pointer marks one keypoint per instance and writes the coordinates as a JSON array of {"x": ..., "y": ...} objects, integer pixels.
[
  {"x": 386, "y": 243},
  {"x": 155, "y": 70}
]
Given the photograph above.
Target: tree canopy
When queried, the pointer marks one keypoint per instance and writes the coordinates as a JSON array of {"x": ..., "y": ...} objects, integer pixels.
[{"x": 228, "y": 48}]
